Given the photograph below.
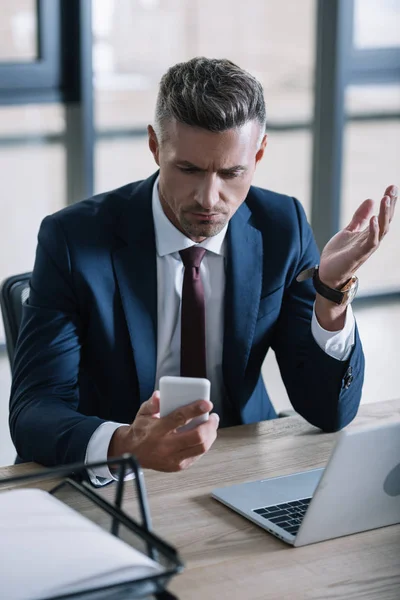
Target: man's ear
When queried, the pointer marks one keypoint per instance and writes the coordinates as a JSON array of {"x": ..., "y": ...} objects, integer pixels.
[
  {"x": 153, "y": 144},
  {"x": 261, "y": 150}
]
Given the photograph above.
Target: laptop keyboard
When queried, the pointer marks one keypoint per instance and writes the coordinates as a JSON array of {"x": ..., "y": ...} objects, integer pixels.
[{"x": 288, "y": 515}]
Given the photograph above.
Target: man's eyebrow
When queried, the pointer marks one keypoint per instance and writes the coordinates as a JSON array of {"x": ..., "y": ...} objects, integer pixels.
[
  {"x": 186, "y": 163},
  {"x": 235, "y": 169}
]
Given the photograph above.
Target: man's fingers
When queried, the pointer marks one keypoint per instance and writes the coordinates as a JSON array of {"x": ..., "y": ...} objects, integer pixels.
[
  {"x": 214, "y": 417},
  {"x": 186, "y": 445},
  {"x": 373, "y": 234},
  {"x": 385, "y": 212},
  {"x": 361, "y": 216},
  {"x": 192, "y": 452},
  {"x": 182, "y": 415},
  {"x": 150, "y": 407},
  {"x": 197, "y": 435},
  {"x": 391, "y": 190},
  {"x": 393, "y": 193},
  {"x": 204, "y": 435}
]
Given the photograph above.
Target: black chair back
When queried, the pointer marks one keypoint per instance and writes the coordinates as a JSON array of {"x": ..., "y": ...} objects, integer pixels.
[{"x": 14, "y": 291}]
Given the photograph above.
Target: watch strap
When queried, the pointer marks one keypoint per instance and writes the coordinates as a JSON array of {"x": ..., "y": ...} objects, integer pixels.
[{"x": 327, "y": 292}]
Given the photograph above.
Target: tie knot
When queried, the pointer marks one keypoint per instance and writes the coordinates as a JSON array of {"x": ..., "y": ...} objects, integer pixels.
[{"x": 192, "y": 257}]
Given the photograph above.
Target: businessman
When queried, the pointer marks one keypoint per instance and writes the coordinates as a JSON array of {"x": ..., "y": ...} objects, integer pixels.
[{"x": 191, "y": 272}]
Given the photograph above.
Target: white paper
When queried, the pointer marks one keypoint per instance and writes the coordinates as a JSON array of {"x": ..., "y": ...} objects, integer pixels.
[{"x": 47, "y": 548}]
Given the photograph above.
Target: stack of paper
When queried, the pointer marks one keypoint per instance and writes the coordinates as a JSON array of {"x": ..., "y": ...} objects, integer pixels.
[{"x": 48, "y": 549}]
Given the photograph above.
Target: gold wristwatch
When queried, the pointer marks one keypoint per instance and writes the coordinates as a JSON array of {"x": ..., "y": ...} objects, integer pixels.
[{"x": 345, "y": 295}]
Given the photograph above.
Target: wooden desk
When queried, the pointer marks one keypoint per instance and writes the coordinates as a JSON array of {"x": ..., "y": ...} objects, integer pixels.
[{"x": 228, "y": 557}]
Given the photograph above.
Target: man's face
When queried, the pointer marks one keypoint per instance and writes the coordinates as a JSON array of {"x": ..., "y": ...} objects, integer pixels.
[{"x": 205, "y": 176}]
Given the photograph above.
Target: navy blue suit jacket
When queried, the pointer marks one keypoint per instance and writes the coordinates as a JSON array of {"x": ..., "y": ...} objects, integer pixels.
[{"x": 87, "y": 346}]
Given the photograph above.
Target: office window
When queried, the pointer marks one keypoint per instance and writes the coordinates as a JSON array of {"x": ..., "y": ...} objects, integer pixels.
[
  {"x": 376, "y": 24},
  {"x": 286, "y": 166},
  {"x": 120, "y": 161},
  {"x": 32, "y": 164},
  {"x": 371, "y": 162},
  {"x": 373, "y": 99},
  {"x": 18, "y": 31}
]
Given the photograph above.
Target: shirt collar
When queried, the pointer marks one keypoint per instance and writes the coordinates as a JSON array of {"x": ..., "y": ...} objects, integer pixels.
[{"x": 169, "y": 239}]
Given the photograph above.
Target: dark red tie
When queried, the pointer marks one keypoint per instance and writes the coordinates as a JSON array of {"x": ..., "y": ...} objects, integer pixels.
[{"x": 193, "y": 322}]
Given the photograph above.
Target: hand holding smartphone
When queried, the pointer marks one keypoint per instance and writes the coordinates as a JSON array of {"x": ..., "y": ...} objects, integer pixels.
[{"x": 176, "y": 392}]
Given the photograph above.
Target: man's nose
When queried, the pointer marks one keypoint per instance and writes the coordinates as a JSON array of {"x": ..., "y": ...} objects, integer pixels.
[{"x": 208, "y": 194}]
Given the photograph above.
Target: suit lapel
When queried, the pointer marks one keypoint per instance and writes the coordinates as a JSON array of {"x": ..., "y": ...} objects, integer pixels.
[
  {"x": 135, "y": 264},
  {"x": 242, "y": 296}
]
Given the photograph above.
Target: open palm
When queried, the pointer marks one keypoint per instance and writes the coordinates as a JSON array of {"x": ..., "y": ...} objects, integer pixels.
[{"x": 352, "y": 246}]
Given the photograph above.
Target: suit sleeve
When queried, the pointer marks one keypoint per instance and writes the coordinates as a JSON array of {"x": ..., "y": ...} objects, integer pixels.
[
  {"x": 45, "y": 424},
  {"x": 325, "y": 391}
]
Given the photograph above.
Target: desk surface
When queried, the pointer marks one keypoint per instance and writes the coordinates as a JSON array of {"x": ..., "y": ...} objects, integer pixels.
[{"x": 226, "y": 556}]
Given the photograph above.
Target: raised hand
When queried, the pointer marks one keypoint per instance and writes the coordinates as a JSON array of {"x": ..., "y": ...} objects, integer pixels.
[{"x": 351, "y": 247}]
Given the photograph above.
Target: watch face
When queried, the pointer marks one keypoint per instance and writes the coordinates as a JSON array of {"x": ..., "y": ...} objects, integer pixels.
[{"x": 352, "y": 291}]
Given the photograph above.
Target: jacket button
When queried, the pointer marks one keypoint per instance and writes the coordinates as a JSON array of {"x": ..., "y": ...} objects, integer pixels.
[{"x": 348, "y": 378}]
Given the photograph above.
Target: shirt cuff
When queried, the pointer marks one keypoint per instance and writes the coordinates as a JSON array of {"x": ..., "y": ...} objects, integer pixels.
[
  {"x": 97, "y": 451},
  {"x": 337, "y": 344}
]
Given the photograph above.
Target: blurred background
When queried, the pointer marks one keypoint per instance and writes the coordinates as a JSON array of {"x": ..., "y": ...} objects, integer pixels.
[{"x": 78, "y": 83}]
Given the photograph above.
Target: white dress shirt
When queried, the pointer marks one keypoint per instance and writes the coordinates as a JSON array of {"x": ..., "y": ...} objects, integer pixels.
[{"x": 170, "y": 269}]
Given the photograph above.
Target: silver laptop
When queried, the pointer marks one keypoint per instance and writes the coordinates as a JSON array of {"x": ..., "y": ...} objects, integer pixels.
[{"x": 359, "y": 489}]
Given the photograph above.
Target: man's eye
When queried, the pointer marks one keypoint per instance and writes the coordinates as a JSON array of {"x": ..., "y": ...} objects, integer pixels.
[
  {"x": 188, "y": 170},
  {"x": 231, "y": 175}
]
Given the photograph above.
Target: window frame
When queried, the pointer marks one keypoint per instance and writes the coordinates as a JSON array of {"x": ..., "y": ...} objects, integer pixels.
[{"x": 39, "y": 80}]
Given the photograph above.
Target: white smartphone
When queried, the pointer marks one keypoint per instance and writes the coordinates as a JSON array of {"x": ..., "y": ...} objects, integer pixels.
[{"x": 176, "y": 392}]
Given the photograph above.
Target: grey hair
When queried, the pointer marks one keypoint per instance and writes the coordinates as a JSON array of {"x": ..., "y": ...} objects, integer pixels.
[{"x": 213, "y": 94}]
